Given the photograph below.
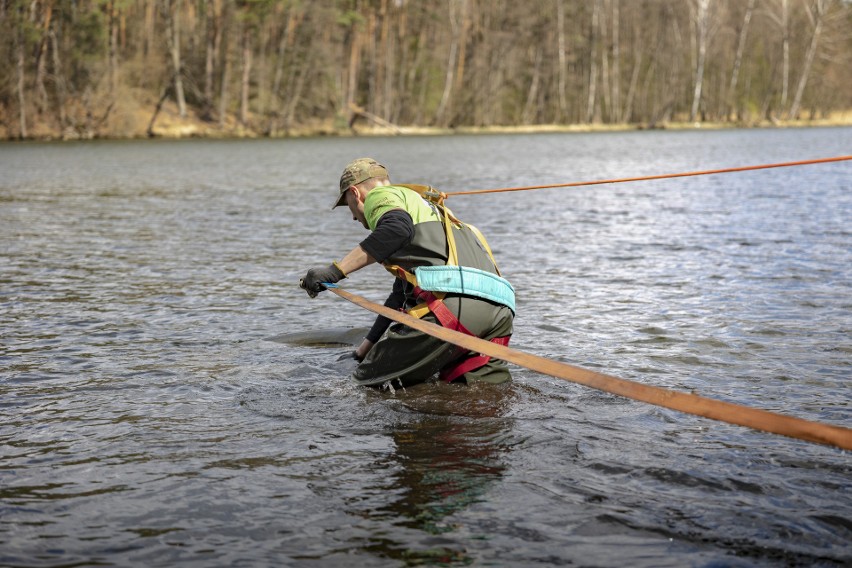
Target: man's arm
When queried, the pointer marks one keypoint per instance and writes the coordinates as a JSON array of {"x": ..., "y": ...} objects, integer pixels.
[
  {"x": 357, "y": 259},
  {"x": 394, "y": 231}
]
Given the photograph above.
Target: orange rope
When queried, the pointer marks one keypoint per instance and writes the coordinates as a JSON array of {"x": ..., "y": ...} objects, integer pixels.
[
  {"x": 758, "y": 419},
  {"x": 662, "y": 176}
]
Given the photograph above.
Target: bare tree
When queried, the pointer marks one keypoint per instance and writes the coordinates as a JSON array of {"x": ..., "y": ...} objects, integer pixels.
[
  {"x": 171, "y": 10},
  {"x": 627, "y": 113},
  {"x": 701, "y": 19},
  {"x": 593, "y": 64},
  {"x": 41, "y": 55},
  {"x": 816, "y": 14},
  {"x": 20, "y": 69},
  {"x": 245, "y": 81},
  {"x": 781, "y": 16},
  {"x": 735, "y": 71},
  {"x": 112, "y": 58},
  {"x": 59, "y": 80},
  {"x": 354, "y": 64},
  {"x": 226, "y": 71},
  {"x": 616, "y": 63},
  {"x": 455, "y": 60},
  {"x": 213, "y": 11},
  {"x": 562, "y": 71}
]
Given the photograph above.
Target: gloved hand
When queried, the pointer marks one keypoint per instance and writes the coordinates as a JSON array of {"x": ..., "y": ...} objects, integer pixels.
[
  {"x": 362, "y": 350},
  {"x": 312, "y": 282}
]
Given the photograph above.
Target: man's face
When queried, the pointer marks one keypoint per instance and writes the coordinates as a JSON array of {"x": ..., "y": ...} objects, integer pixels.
[{"x": 356, "y": 205}]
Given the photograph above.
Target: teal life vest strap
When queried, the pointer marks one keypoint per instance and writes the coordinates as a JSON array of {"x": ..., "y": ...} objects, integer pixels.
[{"x": 468, "y": 281}]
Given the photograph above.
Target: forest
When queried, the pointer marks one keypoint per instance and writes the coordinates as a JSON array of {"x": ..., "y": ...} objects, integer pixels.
[{"x": 79, "y": 69}]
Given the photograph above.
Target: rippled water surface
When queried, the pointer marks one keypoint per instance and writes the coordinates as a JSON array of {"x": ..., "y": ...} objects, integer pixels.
[{"x": 152, "y": 414}]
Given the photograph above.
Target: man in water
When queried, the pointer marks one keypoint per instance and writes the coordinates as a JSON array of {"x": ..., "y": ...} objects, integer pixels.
[{"x": 445, "y": 273}]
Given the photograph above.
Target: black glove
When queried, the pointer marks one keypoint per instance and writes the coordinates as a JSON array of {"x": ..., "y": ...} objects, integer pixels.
[
  {"x": 312, "y": 282},
  {"x": 349, "y": 356}
]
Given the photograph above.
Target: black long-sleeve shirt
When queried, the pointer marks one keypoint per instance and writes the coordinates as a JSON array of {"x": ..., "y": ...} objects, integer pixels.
[{"x": 394, "y": 230}]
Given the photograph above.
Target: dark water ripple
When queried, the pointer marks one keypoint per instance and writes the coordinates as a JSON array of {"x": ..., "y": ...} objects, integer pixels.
[{"x": 148, "y": 419}]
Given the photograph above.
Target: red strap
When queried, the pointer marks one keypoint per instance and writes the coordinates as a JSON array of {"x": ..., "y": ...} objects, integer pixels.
[
  {"x": 471, "y": 363},
  {"x": 443, "y": 313},
  {"x": 450, "y": 321}
]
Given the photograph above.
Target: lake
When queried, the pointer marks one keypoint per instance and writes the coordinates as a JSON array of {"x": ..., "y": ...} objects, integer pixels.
[{"x": 153, "y": 414}]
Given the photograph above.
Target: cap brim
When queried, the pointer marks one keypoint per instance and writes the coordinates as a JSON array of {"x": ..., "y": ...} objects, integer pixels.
[{"x": 340, "y": 200}]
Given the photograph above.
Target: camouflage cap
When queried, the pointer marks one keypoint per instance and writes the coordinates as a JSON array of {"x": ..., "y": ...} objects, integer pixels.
[{"x": 359, "y": 171}]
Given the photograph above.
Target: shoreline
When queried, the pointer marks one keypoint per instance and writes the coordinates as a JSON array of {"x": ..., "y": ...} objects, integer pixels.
[{"x": 171, "y": 127}]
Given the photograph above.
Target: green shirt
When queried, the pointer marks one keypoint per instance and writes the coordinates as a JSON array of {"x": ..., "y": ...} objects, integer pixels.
[{"x": 386, "y": 198}]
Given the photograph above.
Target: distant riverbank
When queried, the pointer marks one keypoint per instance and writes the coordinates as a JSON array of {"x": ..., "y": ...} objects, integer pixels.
[{"x": 141, "y": 122}]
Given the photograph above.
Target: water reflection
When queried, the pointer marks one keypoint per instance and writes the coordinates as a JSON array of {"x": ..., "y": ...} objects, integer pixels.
[{"x": 449, "y": 454}]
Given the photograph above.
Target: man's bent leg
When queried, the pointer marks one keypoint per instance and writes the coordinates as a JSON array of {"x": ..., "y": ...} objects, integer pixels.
[{"x": 405, "y": 357}]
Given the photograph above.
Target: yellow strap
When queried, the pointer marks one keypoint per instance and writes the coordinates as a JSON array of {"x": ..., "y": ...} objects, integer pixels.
[
  {"x": 482, "y": 240},
  {"x": 437, "y": 197},
  {"x": 452, "y": 252},
  {"x": 421, "y": 310},
  {"x": 400, "y": 272}
]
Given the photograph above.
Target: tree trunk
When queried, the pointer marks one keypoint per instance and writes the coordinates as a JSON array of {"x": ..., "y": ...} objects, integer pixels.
[
  {"x": 298, "y": 89},
  {"x": 284, "y": 43},
  {"x": 260, "y": 65},
  {"x": 59, "y": 78},
  {"x": 562, "y": 71},
  {"x": 213, "y": 41},
  {"x": 627, "y": 112},
  {"x": 820, "y": 8},
  {"x": 113, "y": 49},
  {"x": 616, "y": 64},
  {"x": 702, "y": 24},
  {"x": 20, "y": 49},
  {"x": 353, "y": 69},
  {"x": 449, "y": 77},
  {"x": 785, "y": 40},
  {"x": 387, "y": 66},
  {"x": 606, "y": 90},
  {"x": 673, "y": 76},
  {"x": 150, "y": 131},
  {"x": 462, "y": 58},
  {"x": 150, "y": 11},
  {"x": 373, "y": 65},
  {"x": 41, "y": 57},
  {"x": 246, "y": 76},
  {"x": 171, "y": 13},
  {"x": 527, "y": 116},
  {"x": 733, "y": 106},
  {"x": 226, "y": 74},
  {"x": 281, "y": 54},
  {"x": 593, "y": 69}
]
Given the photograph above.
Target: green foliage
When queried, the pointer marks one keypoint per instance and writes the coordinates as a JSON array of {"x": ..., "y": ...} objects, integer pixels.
[
  {"x": 350, "y": 18},
  {"x": 254, "y": 11},
  {"x": 88, "y": 34}
]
